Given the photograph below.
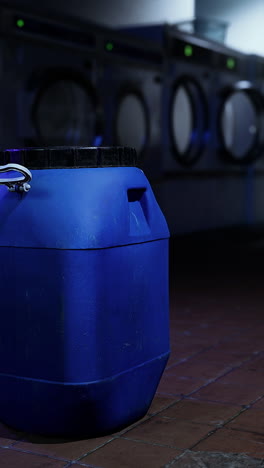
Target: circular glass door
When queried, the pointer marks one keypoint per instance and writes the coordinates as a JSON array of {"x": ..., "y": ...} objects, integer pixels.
[
  {"x": 132, "y": 122},
  {"x": 188, "y": 121},
  {"x": 182, "y": 120},
  {"x": 239, "y": 124},
  {"x": 64, "y": 114}
]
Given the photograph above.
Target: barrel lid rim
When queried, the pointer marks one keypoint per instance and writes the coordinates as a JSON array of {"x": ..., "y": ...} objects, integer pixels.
[{"x": 46, "y": 157}]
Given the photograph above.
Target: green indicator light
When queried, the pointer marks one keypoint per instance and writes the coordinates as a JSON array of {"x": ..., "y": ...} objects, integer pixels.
[
  {"x": 230, "y": 63},
  {"x": 20, "y": 23},
  {"x": 188, "y": 51},
  {"x": 109, "y": 46}
]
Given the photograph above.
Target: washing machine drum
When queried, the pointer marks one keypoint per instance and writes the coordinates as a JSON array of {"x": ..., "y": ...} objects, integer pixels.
[
  {"x": 132, "y": 122},
  {"x": 241, "y": 125},
  {"x": 65, "y": 113},
  {"x": 188, "y": 120}
]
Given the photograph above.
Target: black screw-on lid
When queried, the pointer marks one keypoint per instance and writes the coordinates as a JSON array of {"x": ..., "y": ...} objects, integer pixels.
[{"x": 59, "y": 157}]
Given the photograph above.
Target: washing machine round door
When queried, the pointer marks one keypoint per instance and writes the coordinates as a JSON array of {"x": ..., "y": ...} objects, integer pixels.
[
  {"x": 241, "y": 124},
  {"x": 65, "y": 113},
  {"x": 132, "y": 122},
  {"x": 188, "y": 120}
]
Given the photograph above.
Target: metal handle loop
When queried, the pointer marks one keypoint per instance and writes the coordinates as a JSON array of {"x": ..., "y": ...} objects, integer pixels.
[{"x": 16, "y": 184}]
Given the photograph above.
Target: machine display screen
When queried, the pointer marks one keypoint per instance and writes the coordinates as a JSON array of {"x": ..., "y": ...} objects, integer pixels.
[
  {"x": 227, "y": 62},
  {"x": 28, "y": 25},
  {"x": 129, "y": 51},
  {"x": 184, "y": 50}
]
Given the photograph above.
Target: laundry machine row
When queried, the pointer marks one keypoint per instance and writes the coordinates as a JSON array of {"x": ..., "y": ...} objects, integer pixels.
[
  {"x": 177, "y": 98},
  {"x": 256, "y": 74},
  {"x": 211, "y": 132},
  {"x": 211, "y": 113},
  {"x": 223, "y": 141}
]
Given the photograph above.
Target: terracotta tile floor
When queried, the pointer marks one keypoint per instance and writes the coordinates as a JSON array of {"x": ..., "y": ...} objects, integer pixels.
[{"x": 210, "y": 401}]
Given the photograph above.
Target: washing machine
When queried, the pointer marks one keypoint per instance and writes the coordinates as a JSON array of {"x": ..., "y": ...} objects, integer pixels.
[
  {"x": 238, "y": 122},
  {"x": 222, "y": 141},
  {"x": 256, "y": 78},
  {"x": 130, "y": 84},
  {"x": 256, "y": 75},
  {"x": 188, "y": 104},
  {"x": 48, "y": 81},
  {"x": 238, "y": 117}
]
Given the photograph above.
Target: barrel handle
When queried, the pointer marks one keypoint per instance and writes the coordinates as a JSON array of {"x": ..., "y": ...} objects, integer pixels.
[{"x": 16, "y": 184}]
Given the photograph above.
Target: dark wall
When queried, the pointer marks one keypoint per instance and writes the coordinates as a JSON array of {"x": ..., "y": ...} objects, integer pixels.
[
  {"x": 79, "y": 8},
  {"x": 116, "y": 12}
]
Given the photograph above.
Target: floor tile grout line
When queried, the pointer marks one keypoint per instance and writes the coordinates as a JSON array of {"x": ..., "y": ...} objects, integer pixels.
[
  {"x": 150, "y": 416},
  {"x": 95, "y": 449},
  {"x": 196, "y": 423},
  {"x": 190, "y": 398},
  {"x": 68, "y": 465},
  {"x": 153, "y": 444},
  {"x": 223, "y": 375},
  {"x": 181, "y": 455},
  {"x": 209, "y": 381},
  {"x": 226, "y": 403},
  {"x": 239, "y": 429},
  {"x": 35, "y": 453},
  {"x": 86, "y": 465},
  {"x": 190, "y": 357},
  {"x": 209, "y": 348},
  {"x": 82, "y": 464},
  {"x": 15, "y": 442}
]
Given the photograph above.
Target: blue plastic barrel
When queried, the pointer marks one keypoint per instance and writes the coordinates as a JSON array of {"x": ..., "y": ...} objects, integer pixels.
[{"x": 84, "y": 336}]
